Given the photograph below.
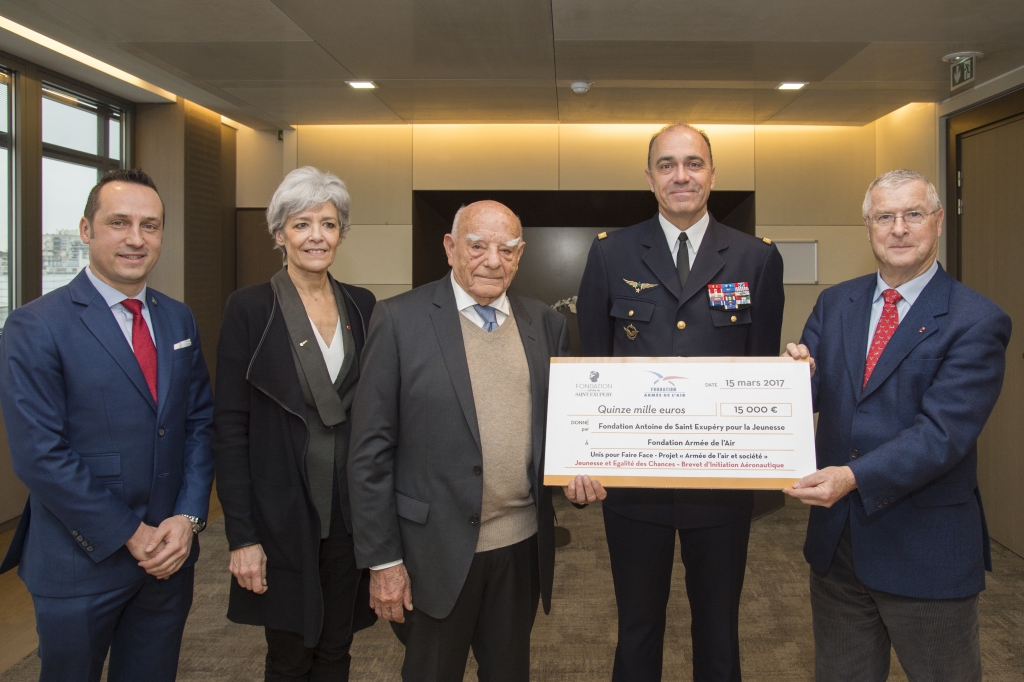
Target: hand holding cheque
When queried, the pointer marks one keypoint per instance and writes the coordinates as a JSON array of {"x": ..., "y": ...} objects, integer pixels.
[
  {"x": 678, "y": 423},
  {"x": 824, "y": 487}
]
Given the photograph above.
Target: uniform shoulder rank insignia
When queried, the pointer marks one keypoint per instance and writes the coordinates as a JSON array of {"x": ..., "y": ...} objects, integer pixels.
[
  {"x": 766, "y": 240},
  {"x": 639, "y": 286},
  {"x": 602, "y": 235},
  {"x": 631, "y": 332},
  {"x": 729, "y": 296}
]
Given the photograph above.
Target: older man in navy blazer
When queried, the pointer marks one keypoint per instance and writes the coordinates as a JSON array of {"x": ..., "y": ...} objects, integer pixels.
[
  {"x": 106, "y": 399},
  {"x": 908, "y": 365}
]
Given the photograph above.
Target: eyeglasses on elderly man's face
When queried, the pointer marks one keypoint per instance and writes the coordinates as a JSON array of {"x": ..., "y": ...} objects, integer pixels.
[{"x": 910, "y": 218}]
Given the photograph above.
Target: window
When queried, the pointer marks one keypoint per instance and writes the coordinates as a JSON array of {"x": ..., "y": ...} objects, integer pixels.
[
  {"x": 6, "y": 205},
  {"x": 82, "y": 140}
]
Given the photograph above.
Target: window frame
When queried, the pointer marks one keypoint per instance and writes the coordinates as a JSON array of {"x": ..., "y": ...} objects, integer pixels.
[
  {"x": 15, "y": 69},
  {"x": 25, "y": 259}
]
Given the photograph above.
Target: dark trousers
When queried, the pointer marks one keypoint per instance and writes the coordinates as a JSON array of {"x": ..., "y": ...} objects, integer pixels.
[
  {"x": 287, "y": 657},
  {"x": 641, "y": 558},
  {"x": 936, "y": 640},
  {"x": 140, "y": 625},
  {"x": 494, "y": 614}
]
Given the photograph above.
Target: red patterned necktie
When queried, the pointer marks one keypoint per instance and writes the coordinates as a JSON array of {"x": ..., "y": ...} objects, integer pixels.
[
  {"x": 142, "y": 343},
  {"x": 887, "y": 324}
]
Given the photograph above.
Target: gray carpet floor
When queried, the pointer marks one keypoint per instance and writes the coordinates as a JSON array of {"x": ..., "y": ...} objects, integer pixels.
[{"x": 577, "y": 641}]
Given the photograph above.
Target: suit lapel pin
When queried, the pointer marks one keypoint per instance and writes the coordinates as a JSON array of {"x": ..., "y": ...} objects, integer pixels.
[
  {"x": 631, "y": 332},
  {"x": 639, "y": 286},
  {"x": 921, "y": 329},
  {"x": 303, "y": 343},
  {"x": 152, "y": 299}
]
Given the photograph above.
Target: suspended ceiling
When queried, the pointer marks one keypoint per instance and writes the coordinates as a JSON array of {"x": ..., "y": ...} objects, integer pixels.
[{"x": 273, "y": 63}]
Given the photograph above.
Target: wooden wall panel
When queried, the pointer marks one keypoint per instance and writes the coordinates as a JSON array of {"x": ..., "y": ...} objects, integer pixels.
[
  {"x": 843, "y": 250},
  {"x": 800, "y": 300},
  {"x": 228, "y": 189},
  {"x": 603, "y": 156},
  {"x": 375, "y": 254},
  {"x": 160, "y": 151},
  {"x": 813, "y": 175},
  {"x": 496, "y": 156},
  {"x": 13, "y": 492},
  {"x": 260, "y": 162},
  {"x": 909, "y": 138},
  {"x": 203, "y": 224},
  {"x": 256, "y": 257},
  {"x": 614, "y": 156},
  {"x": 382, "y": 291},
  {"x": 374, "y": 161}
]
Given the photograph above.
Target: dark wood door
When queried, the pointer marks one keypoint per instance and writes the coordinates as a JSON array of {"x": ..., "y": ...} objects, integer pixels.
[{"x": 992, "y": 251}]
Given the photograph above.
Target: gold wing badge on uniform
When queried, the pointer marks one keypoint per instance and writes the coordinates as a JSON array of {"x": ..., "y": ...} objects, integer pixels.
[{"x": 639, "y": 286}]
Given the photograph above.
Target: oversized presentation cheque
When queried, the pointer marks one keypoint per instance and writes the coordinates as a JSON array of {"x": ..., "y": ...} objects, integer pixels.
[{"x": 680, "y": 422}]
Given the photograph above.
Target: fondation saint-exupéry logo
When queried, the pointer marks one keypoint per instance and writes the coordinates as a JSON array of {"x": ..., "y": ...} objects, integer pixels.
[{"x": 593, "y": 388}]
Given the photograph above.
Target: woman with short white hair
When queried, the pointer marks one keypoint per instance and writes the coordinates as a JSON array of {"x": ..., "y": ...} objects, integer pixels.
[{"x": 287, "y": 368}]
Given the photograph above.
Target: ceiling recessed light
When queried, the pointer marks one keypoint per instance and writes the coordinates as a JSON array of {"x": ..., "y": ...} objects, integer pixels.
[
  {"x": 362, "y": 85},
  {"x": 790, "y": 86}
]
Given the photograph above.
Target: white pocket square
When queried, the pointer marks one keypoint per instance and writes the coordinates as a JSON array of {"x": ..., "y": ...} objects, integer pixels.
[{"x": 183, "y": 344}]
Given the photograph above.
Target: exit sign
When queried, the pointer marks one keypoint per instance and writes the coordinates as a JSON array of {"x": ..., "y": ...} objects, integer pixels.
[{"x": 961, "y": 73}]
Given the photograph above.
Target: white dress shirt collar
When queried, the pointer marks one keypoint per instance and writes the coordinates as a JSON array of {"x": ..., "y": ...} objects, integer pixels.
[
  {"x": 694, "y": 233},
  {"x": 465, "y": 304}
]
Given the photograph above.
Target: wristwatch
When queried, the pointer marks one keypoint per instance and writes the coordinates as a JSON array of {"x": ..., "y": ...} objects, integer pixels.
[{"x": 198, "y": 524}]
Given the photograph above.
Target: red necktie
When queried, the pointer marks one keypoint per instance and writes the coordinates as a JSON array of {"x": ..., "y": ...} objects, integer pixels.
[
  {"x": 887, "y": 324},
  {"x": 142, "y": 343}
]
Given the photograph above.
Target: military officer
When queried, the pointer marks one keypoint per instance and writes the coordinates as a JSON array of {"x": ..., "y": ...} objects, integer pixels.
[{"x": 679, "y": 284}]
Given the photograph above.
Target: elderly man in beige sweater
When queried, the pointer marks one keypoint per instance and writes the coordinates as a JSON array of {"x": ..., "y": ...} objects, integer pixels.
[{"x": 446, "y": 466}]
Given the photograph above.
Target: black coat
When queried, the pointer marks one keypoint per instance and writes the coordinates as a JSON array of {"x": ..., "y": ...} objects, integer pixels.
[
  {"x": 607, "y": 304},
  {"x": 415, "y": 461},
  {"x": 259, "y": 447}
]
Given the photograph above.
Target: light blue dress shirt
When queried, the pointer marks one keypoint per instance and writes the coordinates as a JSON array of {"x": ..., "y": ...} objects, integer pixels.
[
  {"x": 113, "y": 298},
  {"x": 909, "y": 291}
]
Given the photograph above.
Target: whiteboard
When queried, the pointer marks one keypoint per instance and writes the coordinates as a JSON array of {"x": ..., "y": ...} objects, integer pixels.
[{"x": 800, "y": 260}]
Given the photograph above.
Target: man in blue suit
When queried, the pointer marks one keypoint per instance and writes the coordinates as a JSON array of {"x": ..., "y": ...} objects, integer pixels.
[
  {"x": 647, "y": 291},
  {"x": 107, "y": 403},
  {"x": 908, "y": 364}
]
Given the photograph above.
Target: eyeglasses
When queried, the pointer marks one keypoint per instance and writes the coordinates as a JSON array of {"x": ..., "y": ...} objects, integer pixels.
[{"x": 910, "y": 218}]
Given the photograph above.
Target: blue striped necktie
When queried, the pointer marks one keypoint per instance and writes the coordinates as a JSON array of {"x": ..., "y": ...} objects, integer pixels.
[{"x": 489, "y": 315}]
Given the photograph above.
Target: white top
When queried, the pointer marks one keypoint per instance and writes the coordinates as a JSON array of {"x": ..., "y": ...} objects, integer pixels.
[
  {"x": 694, "y": 236},
  {"x": 113, "y": 298},
  {"x": 334, "y": 355},
  {"x": 465, "y": 304},
  {"x": 909, "y": 291}
]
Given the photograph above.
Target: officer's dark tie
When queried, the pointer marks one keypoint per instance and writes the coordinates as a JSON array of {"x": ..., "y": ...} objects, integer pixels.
[{"x": 683, "y": 260}]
